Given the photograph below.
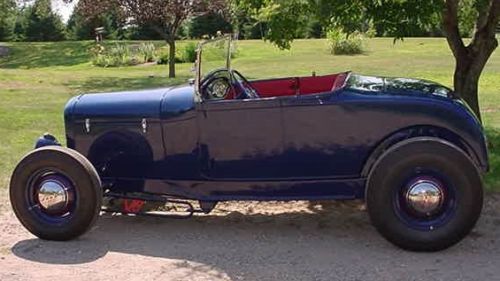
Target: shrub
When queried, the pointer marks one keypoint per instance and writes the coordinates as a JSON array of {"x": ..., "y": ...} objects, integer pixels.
[
  {"x": 342, "y": 44},
  {"x": 189, "y": 52},
  {"x": 119, "y": 55},
  {"x": 184, "y": 55},
  {"x": 164, "y": 56},
  {"x": 147, "y": 52}
]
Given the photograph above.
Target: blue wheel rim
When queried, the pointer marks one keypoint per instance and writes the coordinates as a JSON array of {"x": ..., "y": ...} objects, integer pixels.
[
  {"x": 441, "y": 217},
  {"x": 35, "y": 183}
]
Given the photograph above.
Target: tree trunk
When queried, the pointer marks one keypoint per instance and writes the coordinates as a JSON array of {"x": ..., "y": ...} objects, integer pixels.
[
  {"x": 171, "y": 58},
  {"x": 471, "y": 60},
  {"x": 469, "y": 65},
  {"x": 466, "y": 84}
]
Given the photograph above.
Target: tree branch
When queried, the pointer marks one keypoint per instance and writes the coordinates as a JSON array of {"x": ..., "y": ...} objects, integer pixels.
[
  {"x": 493, "y": 17},
  {"x": 484, "y": 41},
  {"x": 450, "y": 28}
]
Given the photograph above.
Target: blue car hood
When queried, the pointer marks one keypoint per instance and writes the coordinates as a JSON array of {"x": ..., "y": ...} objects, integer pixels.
[
  {"x": 129, "y": 104},
  {"x": 124, "y": 105}
]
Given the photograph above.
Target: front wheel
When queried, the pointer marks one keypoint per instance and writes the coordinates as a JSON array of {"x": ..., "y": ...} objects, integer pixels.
[
  {"x": 424, "y": 195},
  {"x": 56, "y": 193}
]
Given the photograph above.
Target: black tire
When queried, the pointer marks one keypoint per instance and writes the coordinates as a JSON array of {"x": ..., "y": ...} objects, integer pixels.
[
  {"x": 458, "y": 178},
  {"x": 83, "y": 193}
]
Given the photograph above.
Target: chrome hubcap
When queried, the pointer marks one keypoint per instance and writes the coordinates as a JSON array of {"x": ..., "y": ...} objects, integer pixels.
[
  {"x": 53, "y": 196},
  {"x": 425, "y": 197}
]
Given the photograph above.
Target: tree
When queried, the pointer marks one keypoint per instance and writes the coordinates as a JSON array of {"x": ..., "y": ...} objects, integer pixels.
[
  {"x": 283, "y": 19},
  {"x": 471, "y": 59},
  {"x": 82, "y": 28},
  {"x": 396, "y": 17},
  {"x": 7, "y": 19},
  {"x": 42, "y": 24},
  {"x": 142, "y": 32},
  {"x": 208, "y": 24},
  {"x": 164, "y": 16}
]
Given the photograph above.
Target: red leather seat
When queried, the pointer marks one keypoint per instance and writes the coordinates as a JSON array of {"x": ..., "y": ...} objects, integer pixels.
[
  {"x": 299, "y": 85},
  {"x": 317, "y": 84}
]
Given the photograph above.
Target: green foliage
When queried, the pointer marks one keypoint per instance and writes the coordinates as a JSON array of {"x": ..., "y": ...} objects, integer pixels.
[
  {"x": 142, "y": 32},
  {"x": 346, "y": 14},
  {"x": 467, "y": 15},
  {"x": 370, "y": 32},
  {"x": 343, "y": 44},
  {"x": 81, "y": 28},
  {"x": 252, "y": 29},
  {"x": 284, "y": 18},
  {"x": 42, "y": 24},
  {"x": 189, "y": 52},
  {"x": 118, "y": 55},
  {"x": 164, "y": 57},
  {"x": 314, "y": 29},
  {"x": 147, "y": 52},
  {"x": 208, "y": 25},
  {"x": 493, "y": 178},
  {"x": 20, "y": 24},
  {"x": 7, "y": 19}
]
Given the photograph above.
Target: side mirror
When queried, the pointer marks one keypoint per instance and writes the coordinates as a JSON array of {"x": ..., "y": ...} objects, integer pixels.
[{"x": 191, "y": 81}]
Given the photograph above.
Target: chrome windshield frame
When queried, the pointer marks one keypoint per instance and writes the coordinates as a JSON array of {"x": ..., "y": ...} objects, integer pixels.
[{"x": 198, "y": 63}]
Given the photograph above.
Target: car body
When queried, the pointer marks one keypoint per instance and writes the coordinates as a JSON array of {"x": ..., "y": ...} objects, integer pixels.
[
  {"x": 289, "y": 147},
  {"x": 331, "y": 137}
]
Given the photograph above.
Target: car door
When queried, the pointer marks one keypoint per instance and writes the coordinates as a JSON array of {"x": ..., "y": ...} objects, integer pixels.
[
  {"x": 241, "y": 139},
  {"x": 320, "y": 138}
]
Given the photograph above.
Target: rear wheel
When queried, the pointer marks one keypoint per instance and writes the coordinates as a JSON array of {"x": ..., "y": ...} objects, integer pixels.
[
  {"x": 424, "y": 195},
  {"x": 56, "y": 193}
]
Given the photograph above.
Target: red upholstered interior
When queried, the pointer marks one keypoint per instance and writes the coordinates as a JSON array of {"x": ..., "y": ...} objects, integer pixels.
[
  {"x": 276, "y": 87},
  {"x": 299, "y": 85}
]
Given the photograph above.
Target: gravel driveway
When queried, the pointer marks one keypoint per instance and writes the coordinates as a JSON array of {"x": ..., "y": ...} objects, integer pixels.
[{"x": 246, "y": 241}]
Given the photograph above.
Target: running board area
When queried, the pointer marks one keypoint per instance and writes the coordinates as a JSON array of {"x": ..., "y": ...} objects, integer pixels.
[{"x": 136, "y": 205}]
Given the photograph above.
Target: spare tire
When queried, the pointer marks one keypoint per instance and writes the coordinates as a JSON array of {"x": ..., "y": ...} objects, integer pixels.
[{"x": 56, "y": 193}]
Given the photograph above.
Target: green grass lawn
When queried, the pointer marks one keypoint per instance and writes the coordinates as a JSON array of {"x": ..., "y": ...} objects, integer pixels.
[{"x": 37, "y": 79}]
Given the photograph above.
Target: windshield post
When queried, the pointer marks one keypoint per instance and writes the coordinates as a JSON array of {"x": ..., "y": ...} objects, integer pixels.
[
  {"x": 228, "y": 59},
  {"x": 198, "y": 63},
  {"x": 197, "y": 79}
]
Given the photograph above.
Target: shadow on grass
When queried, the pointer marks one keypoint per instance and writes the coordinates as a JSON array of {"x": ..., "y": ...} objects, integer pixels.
[
  {"x": 103, "y": 84},
  {"x": 492, "y": 179},
  {"x": 35, "y": 55}
]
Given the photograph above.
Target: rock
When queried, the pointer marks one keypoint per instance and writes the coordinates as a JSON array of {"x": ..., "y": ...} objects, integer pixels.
[{"x": 4, "y": 51}]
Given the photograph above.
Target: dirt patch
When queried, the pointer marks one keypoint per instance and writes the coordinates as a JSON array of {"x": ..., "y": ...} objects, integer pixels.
[
  {"x": 246, "y": 241},
  {"x": 491, "y": 109}
]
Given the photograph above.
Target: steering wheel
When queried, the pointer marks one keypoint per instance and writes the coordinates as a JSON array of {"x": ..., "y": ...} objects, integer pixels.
[
  {"x": 247, "y": 89},
  {"x": 219, "y": 83}
]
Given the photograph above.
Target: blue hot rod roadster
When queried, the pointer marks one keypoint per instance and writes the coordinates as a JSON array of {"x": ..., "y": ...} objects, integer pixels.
[{"x": 410, "y": 148}]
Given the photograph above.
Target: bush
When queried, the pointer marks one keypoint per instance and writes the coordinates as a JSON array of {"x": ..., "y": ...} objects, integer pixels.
[
  {"x": 164, "y": 57},
  {"x": 147, "y": 52},
  {"x": 119, "y": 55},
  {"x": 189, "y": 52},
  {"x": 184, "y": 55},
  {"x": 342, "y": 44}
]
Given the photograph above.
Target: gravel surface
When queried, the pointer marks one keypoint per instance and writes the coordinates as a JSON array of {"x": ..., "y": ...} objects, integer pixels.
[{"x": 246, "y": 241}]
